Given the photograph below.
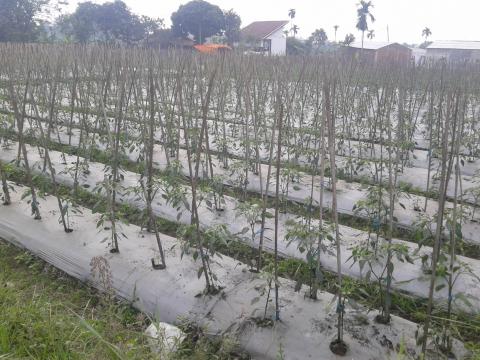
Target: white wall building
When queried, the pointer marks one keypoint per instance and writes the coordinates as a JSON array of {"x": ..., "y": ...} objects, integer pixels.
[{"x": 266, "y": 37}]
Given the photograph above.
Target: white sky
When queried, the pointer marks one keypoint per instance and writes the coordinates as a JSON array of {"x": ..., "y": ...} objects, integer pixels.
[{"x": 447, "y": 19}]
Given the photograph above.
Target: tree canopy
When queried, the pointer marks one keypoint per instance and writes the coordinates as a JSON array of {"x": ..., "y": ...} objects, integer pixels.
[
  {"x": 198, "y": 18},
  {"x": 363, "y": 14},
  {"x": 349, "y": 39},
  {"x": 232, "y": 27},
  {"x": 318, "y": 38},
  {"x": 19, "y": 20},
  {"x": 296, "y": 47},
  {"x": 426, "y": 33},
  {"x": 108, "y": 22}
]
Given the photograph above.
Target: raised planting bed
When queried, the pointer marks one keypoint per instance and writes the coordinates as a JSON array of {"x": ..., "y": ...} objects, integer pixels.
[{"x": 306, "y": 327}]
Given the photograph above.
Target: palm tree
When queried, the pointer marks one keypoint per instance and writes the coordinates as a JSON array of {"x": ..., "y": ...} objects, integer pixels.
[
  {"x": 371, "y": 34},
  {"x": 335, "y": 27},
  {"x": 295, "y": 29},
  {"x": 292, "y": 13},
  {"x": 426, "y": 33},
  {"x": 363, "y": 13}
]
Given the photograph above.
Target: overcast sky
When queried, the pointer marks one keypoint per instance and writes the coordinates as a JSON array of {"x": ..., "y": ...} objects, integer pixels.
[{"x": 447, "y": 19}]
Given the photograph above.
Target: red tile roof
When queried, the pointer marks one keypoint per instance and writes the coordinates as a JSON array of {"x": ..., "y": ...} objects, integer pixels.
[{"x": 262, "y": 29}]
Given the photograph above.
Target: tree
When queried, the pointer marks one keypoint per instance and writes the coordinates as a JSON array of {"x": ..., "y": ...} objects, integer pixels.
[
  {"x": 292, "y": 13},
  {"x": 295, "y": 29},
  {"x": 19, "y": 20},
  {"x": 335, "y": 27},
  {"x": 117, "y": 23},
  {"x": 198, "y": 18},
  {"x": 161, "y": 38},
  {"x": 349, "y": 39},
  {"x": 80, "y": 25},
  {"x": 109, "y": 22},
  {"x": 426, "y": 33},
  {"x": 317, "y": 39},
  {"x": 371, "y": 34},
  {"x": 363, "y": 13},
  {"x": 296, "y": 47},
  {"x": 151, "y": 27},
  {"x": 232, "y": 27}
]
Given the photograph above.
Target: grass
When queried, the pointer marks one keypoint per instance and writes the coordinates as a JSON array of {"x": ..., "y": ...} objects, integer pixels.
[
  {"x": 44, "y": 313},
  {"x": 47, "y": 314}
]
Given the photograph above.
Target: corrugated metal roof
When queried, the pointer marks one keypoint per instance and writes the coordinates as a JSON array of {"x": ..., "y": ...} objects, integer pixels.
[
  {"x": 372, "y": 45},
  {"x": 455, "y": 44},
  {"x": 262, "y": 29},
  {"x": 212, "y": 48}
]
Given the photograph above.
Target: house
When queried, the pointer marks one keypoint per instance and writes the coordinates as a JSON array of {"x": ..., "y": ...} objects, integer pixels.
[
  {"x": 265, "y": 37},
  {"x": 379, "y": 51},
  {"x": 454, "y": 50}
]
